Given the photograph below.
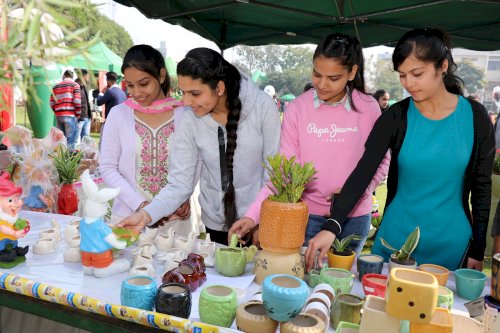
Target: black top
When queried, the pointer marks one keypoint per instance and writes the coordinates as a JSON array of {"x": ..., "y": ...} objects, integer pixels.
[{"x": 388, "y": 133}]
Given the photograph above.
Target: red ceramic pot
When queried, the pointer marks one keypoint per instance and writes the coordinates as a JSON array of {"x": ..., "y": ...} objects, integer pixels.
[
  {"x": 67, "y": 199},
  {"x": 374, "y": 284},
  {"x": 198, "y": 261},
  {"x": 185, "y": 274}
]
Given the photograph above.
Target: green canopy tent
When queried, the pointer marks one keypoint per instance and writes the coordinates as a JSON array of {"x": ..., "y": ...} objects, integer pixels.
[
  {"x": 100, "y": 58},
  {"x": 472, "y": 24},
  {"x": 287, "y": 98},
  {"x": 171, "y": 66}
]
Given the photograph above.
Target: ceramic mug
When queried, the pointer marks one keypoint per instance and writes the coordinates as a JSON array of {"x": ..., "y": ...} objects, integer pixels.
[
  {"x": 138, "y": 292},
  {"x": 283, "y": 296},
  {"x": 347, "y": 308},
  {"x": 369, "y": 263},
  {"x": 469, "y": 283},
  {"x": 217, "y": 305},
  {"x": 445, "y": 298},
  {"x": 173, "y": 299}
]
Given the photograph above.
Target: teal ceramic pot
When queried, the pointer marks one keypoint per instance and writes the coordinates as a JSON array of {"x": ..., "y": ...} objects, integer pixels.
[
  {"x": 138, "y": 292},
  {"x": 347, "y": 308},
  {"x": 469, "y": 282},
  {"x": 445, "y": 298},
  {"x": 369, "y": 263},
  {"x": 173, "y": 299},
  {"x": 283, "y": 296},
  {"x": 217, "y": 305}
]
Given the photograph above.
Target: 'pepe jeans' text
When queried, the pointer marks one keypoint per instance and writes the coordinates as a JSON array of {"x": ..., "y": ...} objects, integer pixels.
[{"x": 329, "y": 131}]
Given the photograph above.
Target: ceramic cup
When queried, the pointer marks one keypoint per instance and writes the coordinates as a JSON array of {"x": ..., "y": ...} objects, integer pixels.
[
  {"x": 470, "y": 283},
  {"x": 138, "y": 292},
  {"x": 251, "y": 317},
  {"x": 173, "y": 299},
  {"x": 347, "y": 308},
  {"x": 303, "y": 323},
  {"x": 217, "y": 305},
  {"x": 441, "y": 273},
  {"x": 283, "y": 296},
  {"x": 340, "y": 279},
  {"x": 445, "y": 298},
  {"x": 374, "y": 284},
  {"x": 369, "y": 263}
]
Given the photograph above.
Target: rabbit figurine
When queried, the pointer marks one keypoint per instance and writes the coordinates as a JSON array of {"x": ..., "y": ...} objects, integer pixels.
[{"x": 97, "y": 238}]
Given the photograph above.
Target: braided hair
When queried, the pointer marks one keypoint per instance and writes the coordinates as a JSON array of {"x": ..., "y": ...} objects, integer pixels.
[{"x": 211, "y": 68}]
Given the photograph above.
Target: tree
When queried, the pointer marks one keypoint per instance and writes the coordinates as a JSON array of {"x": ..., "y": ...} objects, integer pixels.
[
  {"x": 473, "y": 77},
  {"x": 380, "y": 75}
]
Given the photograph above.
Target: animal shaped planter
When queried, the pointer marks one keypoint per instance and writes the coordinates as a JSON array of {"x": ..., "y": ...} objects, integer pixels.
[
  {"x": 231, "y": 261},
  {"x": 97, "y": 239}
]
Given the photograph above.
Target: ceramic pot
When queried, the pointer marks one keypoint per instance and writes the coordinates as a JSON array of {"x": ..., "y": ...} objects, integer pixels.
[
  {"x": 187, "y": 275},
  {"x": 374, "y": 284},
  {"x": 268, "y": 263},
  {"x": 325, "y": 289},
  {"x": 283, "y": 296},
  {"x": 345, "y": 327},
  {"x": 347, "y": 308},
  {"x": 319, "y": 310},
  {"x": 491, "y": 319},
  {"x": 217, "y": 305},
  {"x": 375, "y": 318},
  {"x": 393, "y": 264},
  {"x": 441, "y": 273},
  {"x": 173, "y": 254},
  {"x": 445, "y": 298},
  {"x": 251, "y": 317},
  {"x": 369, "y": 263},
  {"x": 469, "y": 283},
  {"x": 71, "y": 230},
  {"x": 173, "y": 299},
  {"x": 465, "y": 324},
  {"x": 411, "y": 295},
  {"x": 165, "y": 241},
  {"x": 342, "y": 262},
  {"x": 197, "y": 260},
  {"x": 205, "y": 246},
  {"x": 138, "y": 292},
  {"x": 231, "y": 261},
  {"x": 441, "y": 322},
  {"x": 72, "y": 254},
  {"x": 313, "y": 278},
  {"x": 303, "y": 323},
  {"x": 340, "y": 280},
  {"x": 278, "y": 217},
  {"x": 319, "y": 297},
  {"x": 67, "y": 199}
]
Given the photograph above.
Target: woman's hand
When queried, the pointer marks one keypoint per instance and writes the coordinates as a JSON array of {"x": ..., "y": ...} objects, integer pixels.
[
  {"x": 137, "y": 221},
  {"x": 474, "y": 264},
  {"x": 184, "y": 211},
  {"x": 321, "y": 242},
  {"x": 241, "y": 228}
]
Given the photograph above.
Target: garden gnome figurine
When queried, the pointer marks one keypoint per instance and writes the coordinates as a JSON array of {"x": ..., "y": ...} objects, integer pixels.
[
  {"x": 96, "y": 238},
  {"x": 11, "y": 228}
]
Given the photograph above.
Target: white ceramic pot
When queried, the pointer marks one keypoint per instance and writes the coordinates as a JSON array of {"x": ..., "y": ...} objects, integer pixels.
[
  {"x": 72, "y": 229},
  {"x": 72, "y": 255},
  {"x": 267, "y": 263},
  {"x": 375, "y": 318},
  {"x": 45, "y": 246},
  {"x": 143, "y": 269}
]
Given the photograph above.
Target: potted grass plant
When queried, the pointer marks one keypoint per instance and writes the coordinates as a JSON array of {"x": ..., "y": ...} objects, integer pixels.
[
  {"x": 340, "y": 254},
  {"x": 67, "y": 163},
  {"x": 402, "y": 257}
]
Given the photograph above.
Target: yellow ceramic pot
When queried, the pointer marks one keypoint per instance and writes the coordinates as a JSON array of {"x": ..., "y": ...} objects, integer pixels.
[
  {"x": 338, "y": 261},
  {"x": 251, "y": 317},
  {"x": 441, "y": 322},
  {"x": 267, "y": 263}
]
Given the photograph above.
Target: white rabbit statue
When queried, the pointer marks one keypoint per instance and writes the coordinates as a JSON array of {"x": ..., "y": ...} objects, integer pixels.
[{"x": 97, "y": 238}]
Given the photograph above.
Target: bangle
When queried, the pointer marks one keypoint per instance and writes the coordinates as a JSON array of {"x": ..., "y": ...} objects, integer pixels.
[
  {"x": 145, "y": 215},
  {"x": 142, "y": 205},
  {"x": 337, "y": 229}
]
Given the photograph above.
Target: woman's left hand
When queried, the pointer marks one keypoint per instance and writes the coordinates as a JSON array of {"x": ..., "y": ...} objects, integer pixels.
[{"x": 474, "y": 264}]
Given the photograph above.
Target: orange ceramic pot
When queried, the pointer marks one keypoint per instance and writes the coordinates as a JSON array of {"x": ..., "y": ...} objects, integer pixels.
[
  {"x": 343, "y": 262},
  {"x": 441, "y": 273},
  {"x": 267, "y": 263},
  {"x": 282, "y": 226}
]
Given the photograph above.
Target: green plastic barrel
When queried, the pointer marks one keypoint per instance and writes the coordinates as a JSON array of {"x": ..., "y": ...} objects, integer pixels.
[{"x": 40, "y": 114}]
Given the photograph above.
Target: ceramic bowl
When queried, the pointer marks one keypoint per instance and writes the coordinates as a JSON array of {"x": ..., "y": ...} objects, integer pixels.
[
  {"x": 283, "y": 296},
  {"x": 469, "y": 282},
  {"x": 251, "y": 317}
]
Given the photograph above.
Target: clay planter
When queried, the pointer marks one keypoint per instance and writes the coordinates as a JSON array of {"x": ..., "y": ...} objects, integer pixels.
[
  {"x": 67, "y": 199},
  {"x": 282, "y": 226},
  {"x": 374, "y": 284},
  {"x": 303, "y": 323},
  {"x": 251, "y": 317},
  {"x": 394, "y": 264},
  {"x": 138, "y": 292},
  {"x": 217, "y": 305},
  {"x": 441, "y": 322},
  {"x": 441, "y": 273},
  {"x": 283, "y": 296},
  {"x": 340, "y": 261},
  {"x": 268, "y": 263},
  {"x": 347, "y": 308},
  {"x": 173, "y": 299},
  {"x": 375, "y": 318}
]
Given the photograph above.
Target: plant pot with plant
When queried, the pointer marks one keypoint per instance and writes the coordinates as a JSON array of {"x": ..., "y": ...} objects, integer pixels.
[
  {"x": 402, "y": 257},
  {"x": 340, "y": 254},
  {"x": 66, "y": 163},
  {"x": 283, "y": 217}
]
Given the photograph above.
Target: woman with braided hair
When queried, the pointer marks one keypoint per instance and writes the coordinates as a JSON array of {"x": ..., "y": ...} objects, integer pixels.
[{"x": 231, "y": 128}]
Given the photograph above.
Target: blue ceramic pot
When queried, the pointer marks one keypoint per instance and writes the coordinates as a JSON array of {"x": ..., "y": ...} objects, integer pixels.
[
  {"x": 173, "y": 299},
  {"x": 283, "y": 296},
  {"x": 369, "y": 263},
  {"x": 470, "y": 283},
  {"x": 138, "y": 292}
]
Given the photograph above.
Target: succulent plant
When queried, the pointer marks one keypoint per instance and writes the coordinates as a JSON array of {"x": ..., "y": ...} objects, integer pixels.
[
  {"x": 66, "y": 163},
  {"x": 339, "y": 246},
  {"x": 403, "y": 254}
]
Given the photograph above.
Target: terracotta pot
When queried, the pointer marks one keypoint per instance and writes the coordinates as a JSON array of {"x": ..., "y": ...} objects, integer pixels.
[
  {"x": 303, "y": 323},
  {"x": 67, "y": 199},
  {"x": 267, "y": 263},
  {"x": 338, "y": 261},
  {"x": 282, "y": 226},
  {"x": 251, "y": 317}
]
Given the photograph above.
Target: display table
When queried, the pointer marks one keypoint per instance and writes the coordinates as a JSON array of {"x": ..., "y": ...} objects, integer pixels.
[{"x": 47, "y": 286}]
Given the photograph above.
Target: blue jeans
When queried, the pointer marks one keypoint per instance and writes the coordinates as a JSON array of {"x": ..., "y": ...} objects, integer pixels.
[
  {"x": 68, "y": 125},
  {"x": 358, "y": 225},
  {"x": 83, "y": 130}
]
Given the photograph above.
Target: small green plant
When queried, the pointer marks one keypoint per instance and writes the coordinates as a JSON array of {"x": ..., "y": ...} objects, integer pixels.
[
  {"x": 403, "y": 255},
  {"x": 339, "y": 246},
  {"x": 66, "y": 163},
  {"x": 288, "y": 178},
  {"x": 496, "y": 164}
]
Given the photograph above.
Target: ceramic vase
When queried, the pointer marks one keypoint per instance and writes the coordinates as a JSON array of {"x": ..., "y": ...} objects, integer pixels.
[
  {"x": 491, "y": 319},
  {"x": 469, "y": 283},
  {"x": 342, "y": 262},
  {"x": 411, "y": 295},
  {"x": 374, "y": 284},
  {"x": 347, "y": 308},
  {"x": 369, "y": 263},
  {"x": 217, "y": 305},
  {"x": 283, "y": 296},
  {"x": 275, "y": 218},
  {"x": 441, "y": 273},
  {"x": 173, "y": 299},
  {"x": 445, "y": 298},
  {"x": 268, "y": 263},
  {"x": 303, "y": 323},
  {"x": 67, "y": 199},
  {"x": 441, "y": 322},
  {"x": 375, "y": 317},
  {"x": 251, "y": 317},
  {"x": 138, "y": 292}
]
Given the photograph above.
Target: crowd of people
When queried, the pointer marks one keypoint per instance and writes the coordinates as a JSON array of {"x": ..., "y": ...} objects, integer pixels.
[{"x": 156, "y": 148}]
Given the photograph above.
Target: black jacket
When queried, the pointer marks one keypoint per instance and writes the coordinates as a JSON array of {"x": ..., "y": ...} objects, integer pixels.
[{"x": 389, "y": 133}]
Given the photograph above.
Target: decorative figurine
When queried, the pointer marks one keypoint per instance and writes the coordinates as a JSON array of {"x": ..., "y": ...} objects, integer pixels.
[
  {"x": 97, "y": 238},
  {"x": 11, "y": 228}
]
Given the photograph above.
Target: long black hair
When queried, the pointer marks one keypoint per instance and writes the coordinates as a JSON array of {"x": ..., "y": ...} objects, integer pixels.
[
  {"x": 429, "y": 45},
  {"x": 210, "y": 67},
  {"x": 147, "y": 59},
  {"x": 347, "y": 50}
]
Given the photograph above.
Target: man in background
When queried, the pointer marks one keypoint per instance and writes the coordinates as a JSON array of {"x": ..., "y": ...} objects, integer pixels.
[
  {"x": 111, "y": 95},
  {"x": 86, "y": 114}
]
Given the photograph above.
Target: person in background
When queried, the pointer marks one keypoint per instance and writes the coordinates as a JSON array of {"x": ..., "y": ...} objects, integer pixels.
[
  {"x": 231, "y": 128},
  {"x": 382, "y": 98},
  {"x": 328, "y": 126},
  {"x": 308, "y": 86},
  {"x": 86, "y": 113},
  {"x": 446, "y": 192},
  {"x": 111, "y": 95},
  {"x": 137, "y": 139},
  {"x": 66, "y": 103}
]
